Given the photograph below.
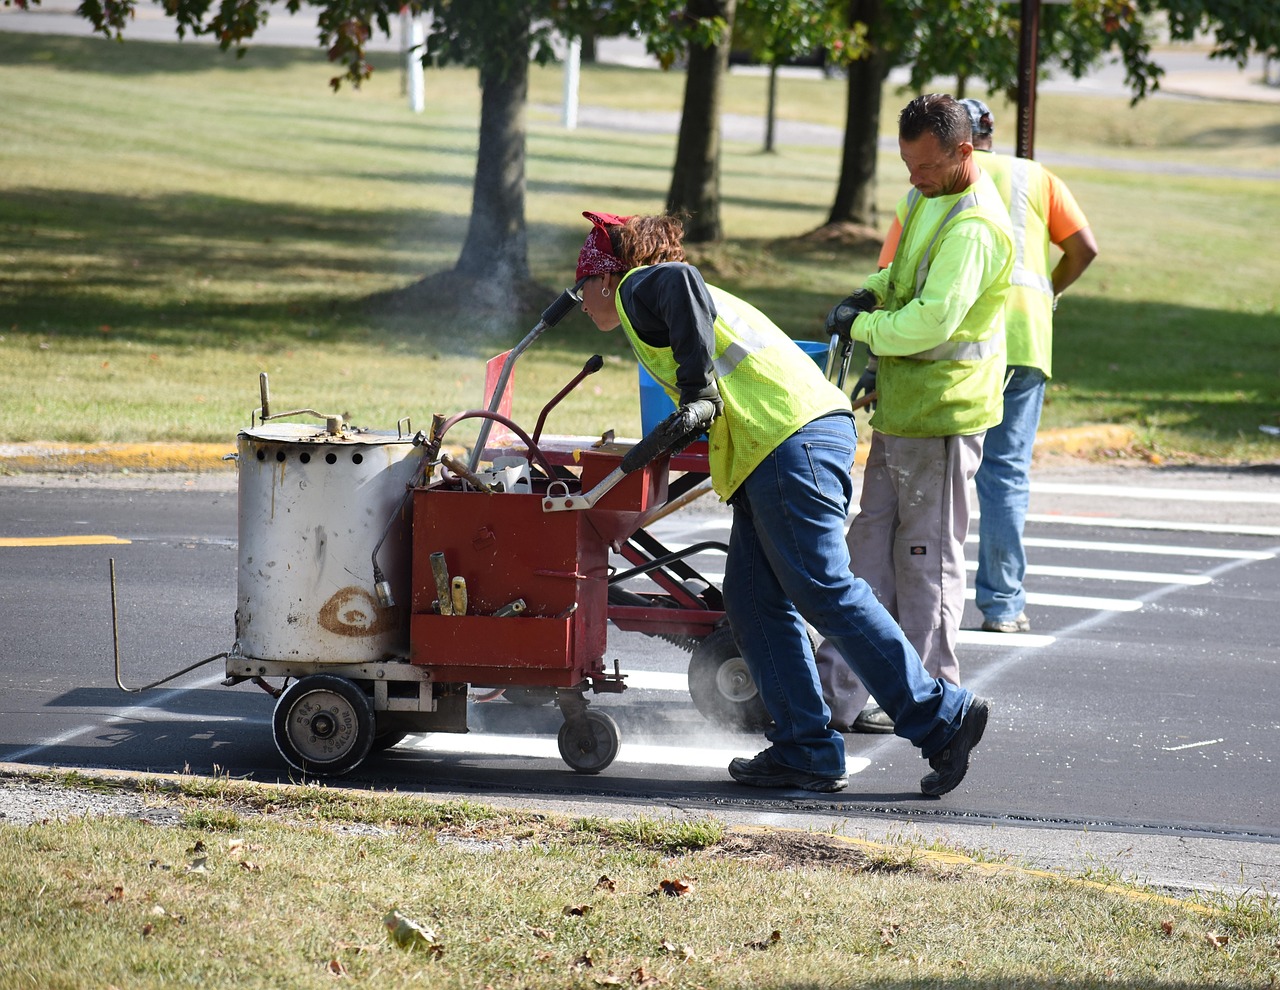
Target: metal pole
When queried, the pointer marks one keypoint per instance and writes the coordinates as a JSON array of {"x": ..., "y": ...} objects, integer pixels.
[
  {"x": 1028, "y": 68},
  {"x": 572, "y": 75},
  {"x": 417, "y": 98}
]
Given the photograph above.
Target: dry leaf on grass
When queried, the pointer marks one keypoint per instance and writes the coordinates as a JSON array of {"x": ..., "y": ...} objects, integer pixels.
[
  {"x": 577, "y": 910},
  {"x": 1216, "y": 939},
  {"x": 335, "y": 967},
  {"x": 607, "y": 883},
  {"x": 674, "y": 888},
  {"x": 675, "y": 949},
  {"x": 766, "y": 943},
  {"x": 116, "y": 895},
  {"x": 408, "y": 934}
]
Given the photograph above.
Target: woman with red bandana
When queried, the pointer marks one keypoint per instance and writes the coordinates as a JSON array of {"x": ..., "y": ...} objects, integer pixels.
[{"x": 780, "y": 450}]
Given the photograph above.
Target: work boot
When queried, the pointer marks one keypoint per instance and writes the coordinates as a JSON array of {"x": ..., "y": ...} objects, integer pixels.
[
  {"x": 762, "y": 770},
  {"x": 873, "y": 718},
  {"x": 951, "y": 763},
  {"x": 1019, "y": 623}
]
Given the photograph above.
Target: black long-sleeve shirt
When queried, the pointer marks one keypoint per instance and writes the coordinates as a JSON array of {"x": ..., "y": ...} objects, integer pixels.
[{"x": 669, "y": 306}]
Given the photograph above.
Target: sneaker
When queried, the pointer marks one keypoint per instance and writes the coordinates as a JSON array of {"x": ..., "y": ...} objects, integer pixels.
[
  {"x": 1019, "y": 623},
  {"x": 873, "y": 718},
  {"x": 952, "y": 762},
  {"x": 762, "y": 770}
]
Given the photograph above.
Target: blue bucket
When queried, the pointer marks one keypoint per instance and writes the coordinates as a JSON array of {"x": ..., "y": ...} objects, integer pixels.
[{"x": 656, "y": 405}]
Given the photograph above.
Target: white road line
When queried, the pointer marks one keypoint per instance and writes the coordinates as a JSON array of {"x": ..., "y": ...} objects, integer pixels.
[
  {"x": 133, "y": 711},
  {"x": 1077, "y": 601},
  {"x": 539, "y": 747},
  {"x": 1108, "y": 522},
  {"x": 1103, "y": 574},
  {"x": 1159, "y": 494},
  {"x": 1207, "y": 742},
  {"x": 1157, "y": 549}
]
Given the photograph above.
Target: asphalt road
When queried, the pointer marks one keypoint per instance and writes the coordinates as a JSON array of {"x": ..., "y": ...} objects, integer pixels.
[{"x": 1137, "y": 722}]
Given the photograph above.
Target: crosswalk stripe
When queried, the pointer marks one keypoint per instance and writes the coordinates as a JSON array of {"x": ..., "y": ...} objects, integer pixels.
[
  {"x": 1108, "y": 522},
  {"x": 1159, "y": 494},
  {"x": 1103, "y": 574},
  {"x": 1076, "y": 601},
  {"x": 1156, "y": 549}
]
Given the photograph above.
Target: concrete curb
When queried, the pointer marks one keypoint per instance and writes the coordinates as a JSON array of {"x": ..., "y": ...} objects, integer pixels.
[{"x": 108, "y": 458}]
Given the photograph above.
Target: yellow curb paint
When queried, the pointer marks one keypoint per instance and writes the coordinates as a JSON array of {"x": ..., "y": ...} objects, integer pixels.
[{"x": 63, "y": 541}]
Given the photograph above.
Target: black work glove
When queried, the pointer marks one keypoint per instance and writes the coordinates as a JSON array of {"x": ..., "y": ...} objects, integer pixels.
[
  {"x": 840, "y": 319},
  {"x": 672, "y": 435},
  {"x": 866, "y": 384}
]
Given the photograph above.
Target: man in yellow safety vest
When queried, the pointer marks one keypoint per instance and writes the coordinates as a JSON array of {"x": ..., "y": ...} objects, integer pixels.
[{"x": 935, "y": 320}]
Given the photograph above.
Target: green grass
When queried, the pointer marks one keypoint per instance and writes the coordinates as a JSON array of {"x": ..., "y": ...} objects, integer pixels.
[
  {"x": 289, "y": 886},
  {"x": 174, "y": 221}
]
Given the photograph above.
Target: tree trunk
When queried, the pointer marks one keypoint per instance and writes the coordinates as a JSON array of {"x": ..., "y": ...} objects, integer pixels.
[
  {"x": 497, "y": 246},
  {"x": 856, "y": 190},
  {"x": 695, "y": 179},
  {"x": 771, "y": 108}
]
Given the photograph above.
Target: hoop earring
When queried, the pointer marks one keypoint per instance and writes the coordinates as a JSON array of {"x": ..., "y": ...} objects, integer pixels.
[{"x": 606, "y": 291}]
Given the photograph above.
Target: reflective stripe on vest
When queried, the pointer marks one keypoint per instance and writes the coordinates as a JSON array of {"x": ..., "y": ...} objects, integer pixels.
[
  {"x": 1019, "y": 190},
  {"x": 951, "y": 350}
]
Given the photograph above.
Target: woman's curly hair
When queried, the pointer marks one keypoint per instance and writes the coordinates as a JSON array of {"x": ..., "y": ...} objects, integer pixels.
[{"x": 648, "y": 240}]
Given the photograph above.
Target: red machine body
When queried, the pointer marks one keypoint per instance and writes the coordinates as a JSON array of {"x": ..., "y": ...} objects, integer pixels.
[{"x": 508, "y": 547}]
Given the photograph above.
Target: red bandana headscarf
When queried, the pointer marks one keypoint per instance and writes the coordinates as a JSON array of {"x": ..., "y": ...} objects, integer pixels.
[{"x": 596, "y": 256}]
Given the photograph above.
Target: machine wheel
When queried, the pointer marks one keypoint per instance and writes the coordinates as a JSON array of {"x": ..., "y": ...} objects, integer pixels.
[
  {"x": 530, "y": 697},
  {"x": 589, "y": 742},
  {"x": 721, "y": 686},
  {"x": 324, "y": 725}
]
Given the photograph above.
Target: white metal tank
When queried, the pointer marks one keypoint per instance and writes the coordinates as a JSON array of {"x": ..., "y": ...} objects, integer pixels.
[{"x": 313, "y": 506}]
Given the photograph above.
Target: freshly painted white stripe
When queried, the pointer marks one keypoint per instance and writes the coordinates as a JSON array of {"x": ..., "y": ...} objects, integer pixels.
[
  {"x": 1107, "y": 522},
  {"x": 1077, "y": 601},
  {"x": 1157, "y": 549},
  {"x": 1161, "y": 494},
  {"x": 1103, "y": 574},
  {"x": 538, "y": 747},
  {"x": 657, "y": 680}
]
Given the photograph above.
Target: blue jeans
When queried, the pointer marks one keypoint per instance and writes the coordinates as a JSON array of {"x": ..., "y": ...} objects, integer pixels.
[
  {"x": 1004, "y": 492},
  {"x": 788, "y": 562}
]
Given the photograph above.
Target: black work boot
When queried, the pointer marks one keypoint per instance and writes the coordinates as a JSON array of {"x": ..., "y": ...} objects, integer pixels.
[{"x": 951, "y": 763}]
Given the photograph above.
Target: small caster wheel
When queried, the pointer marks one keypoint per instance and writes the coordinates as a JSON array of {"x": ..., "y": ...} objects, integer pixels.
[{"x": 589, "y": 742}]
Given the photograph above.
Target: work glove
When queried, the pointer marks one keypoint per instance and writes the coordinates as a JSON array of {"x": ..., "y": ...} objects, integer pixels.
[
  {"x": 840, "y": 319},
  {"x": 672, "y": 435},
  {"x": 865, "y": 385}
]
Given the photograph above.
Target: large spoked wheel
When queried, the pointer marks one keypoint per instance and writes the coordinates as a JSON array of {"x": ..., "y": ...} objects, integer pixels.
[
  {"x": 589, "y": 742},
  {"x": 324, "y": 725},
  {"x": 721, "y": 686}
]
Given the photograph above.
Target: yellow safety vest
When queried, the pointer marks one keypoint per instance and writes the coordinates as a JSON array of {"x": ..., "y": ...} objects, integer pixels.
[
  {"x": 1028, "y": 309},
  {"x": 770, "y": 387},
  {"x": 956, "y": 387}
]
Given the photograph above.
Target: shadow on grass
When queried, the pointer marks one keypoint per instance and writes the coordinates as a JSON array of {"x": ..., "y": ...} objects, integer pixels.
[
  {"x": 130, "y": 57},
  {"x": 215, "y": 270}
]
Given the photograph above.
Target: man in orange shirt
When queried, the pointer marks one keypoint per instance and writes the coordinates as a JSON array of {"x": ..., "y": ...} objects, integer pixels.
[{"x": 1043, "y": 212}]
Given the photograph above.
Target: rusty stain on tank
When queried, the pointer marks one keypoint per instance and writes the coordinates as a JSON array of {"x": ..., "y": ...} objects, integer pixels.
[{"x": 353, "y": 611}]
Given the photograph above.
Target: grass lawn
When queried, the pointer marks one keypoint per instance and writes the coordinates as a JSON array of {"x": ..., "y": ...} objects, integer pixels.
[
  {"x": 254, "y": 886},
  {"x": 174, "y": 221}
]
